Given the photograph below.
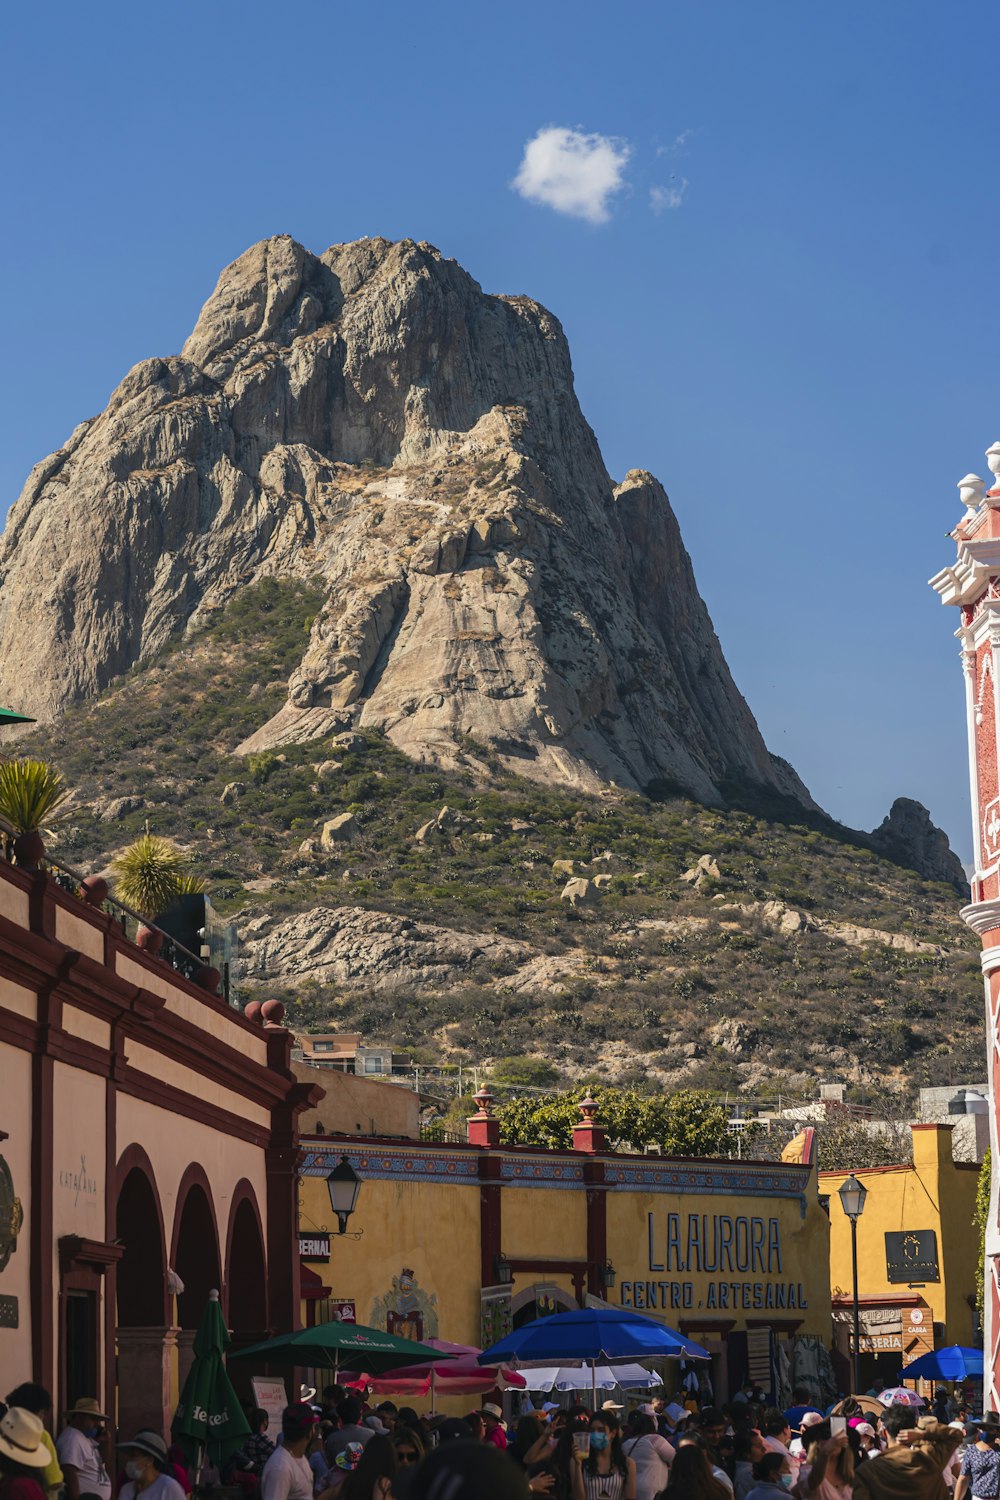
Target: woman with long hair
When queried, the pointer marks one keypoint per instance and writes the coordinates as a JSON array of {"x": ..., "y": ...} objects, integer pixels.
[
  {"x": 830, "y": 1474},
  {"x": 409, "y": 1446},
  {"x": 604, "y": 1472},
  {"x": 691, "y": 1477},
  {"x": 372, "y": 1479},
  {"x": 651, "y": 1454}
]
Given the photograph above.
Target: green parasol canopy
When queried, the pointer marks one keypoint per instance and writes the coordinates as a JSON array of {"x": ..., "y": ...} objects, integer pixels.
[
  {"x": 332, "y": 1346},
  {"x": 8, "y": 716},
  {"x": 209, "y": 1420}
]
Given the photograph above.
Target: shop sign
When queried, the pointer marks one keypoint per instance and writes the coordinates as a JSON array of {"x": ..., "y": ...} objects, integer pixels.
[
  {"x": 269, "y": 1396},
  {"x": 314, "y": 1247},
  {"x": 727, "y": 1248},
  {"x": 911, "y": 1256},
  {"x": 342, "y": 1310},
  {"x": 9, "y": 1312}
]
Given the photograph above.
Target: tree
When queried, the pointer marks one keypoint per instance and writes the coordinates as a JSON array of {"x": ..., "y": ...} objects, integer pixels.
[
  {"x": 688, "y": 1123},
  {"x": 848, "y": 1143},
  {"x": 980, "y": 1215},
  {"x": 524, "y": 1073}
]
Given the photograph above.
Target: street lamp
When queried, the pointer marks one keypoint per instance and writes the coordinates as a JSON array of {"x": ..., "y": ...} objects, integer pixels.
[
  {"x": 343, "y": 1184},
  {"x": 502, "y": 1270},
  {"x": 608, "y": 1275},
  {"x": 852, "y": 1194}
]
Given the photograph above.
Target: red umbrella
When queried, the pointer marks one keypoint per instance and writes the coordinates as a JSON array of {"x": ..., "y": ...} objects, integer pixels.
[{"x": 460, "y": 1376}]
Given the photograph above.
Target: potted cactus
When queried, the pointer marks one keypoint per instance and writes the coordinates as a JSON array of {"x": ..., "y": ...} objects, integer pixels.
[
  {"x": 149, "y": 876},
  {"x": 32, "y": 794}
]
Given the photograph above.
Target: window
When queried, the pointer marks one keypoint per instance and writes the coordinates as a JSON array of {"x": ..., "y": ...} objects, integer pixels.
[{"x": 374, "y": 1064}]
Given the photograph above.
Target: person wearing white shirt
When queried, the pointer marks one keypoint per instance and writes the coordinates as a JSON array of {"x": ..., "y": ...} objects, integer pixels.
[
  {"x": 79, "y": 1456},
  {"x": 777, "y": 1437},
  {"x": 288, "y": 1474}
]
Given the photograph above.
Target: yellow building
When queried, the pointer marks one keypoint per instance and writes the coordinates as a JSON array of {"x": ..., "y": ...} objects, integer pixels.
[
  {"x": 463, "y": 1242},
  {"x": 917, "y": 1257}
]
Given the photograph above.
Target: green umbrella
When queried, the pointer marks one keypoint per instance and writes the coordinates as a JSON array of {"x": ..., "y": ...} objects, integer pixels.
[
  {"x": 8, "y": 716},
  {"x": 209, "y": 1420},
  {"x": 330, "y": 1346}
]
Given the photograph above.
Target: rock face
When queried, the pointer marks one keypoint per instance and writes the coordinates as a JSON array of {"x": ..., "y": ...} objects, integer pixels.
[
  {"x": 908, "y": 837},
  {"x": 370, "y": 417}
]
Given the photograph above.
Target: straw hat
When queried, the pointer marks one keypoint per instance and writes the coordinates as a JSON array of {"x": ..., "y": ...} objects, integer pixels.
[
  {"x": 87, "y": 1407},
  {"x": 21, "y": 1438}
]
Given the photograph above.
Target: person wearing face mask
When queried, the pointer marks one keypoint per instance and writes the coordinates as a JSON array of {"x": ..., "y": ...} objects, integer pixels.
[
  {"x": 773, "y": 1478},
  {"x": 79, "y": 1455},
  {"x": 605, "y": 1472},
  {"x": 146, "y": 1463}
]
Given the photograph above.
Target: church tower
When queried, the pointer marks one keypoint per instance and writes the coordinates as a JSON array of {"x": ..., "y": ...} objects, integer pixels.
[{"x": 972, "y": 584}]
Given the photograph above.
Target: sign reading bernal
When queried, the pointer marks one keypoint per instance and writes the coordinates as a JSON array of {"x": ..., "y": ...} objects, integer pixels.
[{"x": 911, "y": 1256}]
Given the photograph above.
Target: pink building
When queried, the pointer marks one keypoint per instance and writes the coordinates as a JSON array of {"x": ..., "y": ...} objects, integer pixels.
[{"x": 972, "y": 584}]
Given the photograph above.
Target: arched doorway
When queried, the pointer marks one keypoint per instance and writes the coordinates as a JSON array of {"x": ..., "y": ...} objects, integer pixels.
[
  {"x": 194, "y": 1255},
  {"x": 538, "y": 1301},
  {"x": 144, "y": 1339},
  {"x": 245, "y": 1295}
]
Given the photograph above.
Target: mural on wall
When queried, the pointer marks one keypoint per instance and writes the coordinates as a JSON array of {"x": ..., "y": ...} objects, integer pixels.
[
  {"x": 11, "y": 1215},
  {"x": 406, "y": 1310}
]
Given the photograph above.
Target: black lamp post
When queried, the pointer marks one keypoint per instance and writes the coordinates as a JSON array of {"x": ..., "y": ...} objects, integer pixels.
[
  {"x": 852, "y": 1194},
  {"x": 343, "y": 1184}
]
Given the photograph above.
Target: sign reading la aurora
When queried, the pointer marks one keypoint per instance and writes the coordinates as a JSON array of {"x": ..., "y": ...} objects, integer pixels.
[{"x": 717, "y": 1246}]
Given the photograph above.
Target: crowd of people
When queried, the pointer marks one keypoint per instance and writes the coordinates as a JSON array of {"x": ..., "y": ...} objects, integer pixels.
[{"x": 340, "y": 1448}]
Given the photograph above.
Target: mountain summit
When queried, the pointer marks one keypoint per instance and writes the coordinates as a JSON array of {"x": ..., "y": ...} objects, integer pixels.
[{"x": 370, "y": 419}]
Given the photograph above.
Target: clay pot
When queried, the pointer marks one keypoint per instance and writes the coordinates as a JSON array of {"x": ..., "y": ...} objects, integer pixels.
[
  {"x": 95, "y": 890},
  {"x": 150, "y": 940},
  {"x": 252, "y": 1011},
  {"x": 208, "y": 978},
  {"x": 29, "y": 850},
  {"x": 273, "y": 1012}
]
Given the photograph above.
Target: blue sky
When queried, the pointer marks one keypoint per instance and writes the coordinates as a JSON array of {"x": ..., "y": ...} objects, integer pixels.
[{"x": 803, "y": 350}]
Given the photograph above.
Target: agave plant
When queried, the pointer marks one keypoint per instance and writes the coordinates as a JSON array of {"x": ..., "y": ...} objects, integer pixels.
[
  {"x": 148, "y": 874},
  {"x": 191, "y": 885},
  {"x": 31, "y": 794}
]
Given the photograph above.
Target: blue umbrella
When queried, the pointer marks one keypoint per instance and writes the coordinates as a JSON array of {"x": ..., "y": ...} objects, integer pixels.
[
  {"x": 594, "y": 1336},
  {"x": 956, "y": 1362}
]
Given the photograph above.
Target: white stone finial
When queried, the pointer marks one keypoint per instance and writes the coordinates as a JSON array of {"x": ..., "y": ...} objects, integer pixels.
[
  {"x": 971, "y": 489},
  {"x": 993, "y": 459}
]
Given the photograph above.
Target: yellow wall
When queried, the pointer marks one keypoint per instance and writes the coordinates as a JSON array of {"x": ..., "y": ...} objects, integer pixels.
[
  {"x": 429, "y": 1228},
  {"x": 935, "y": 1193},
  {"x": 433, "y": 1228},
  {"x": 785, "y": 1255}
]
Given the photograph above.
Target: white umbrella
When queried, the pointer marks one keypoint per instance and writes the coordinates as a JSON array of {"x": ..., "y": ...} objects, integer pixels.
[{"x": 578, "y": 1377}]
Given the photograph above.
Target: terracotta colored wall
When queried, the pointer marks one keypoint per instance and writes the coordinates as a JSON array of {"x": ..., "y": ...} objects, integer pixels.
[{"x": 359, "y": 1106}]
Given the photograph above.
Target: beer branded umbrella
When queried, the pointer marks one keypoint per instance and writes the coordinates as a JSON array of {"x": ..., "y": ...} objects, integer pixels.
[
  {"x": 209, "y": 1420},
  {"x": 335, "y": 1346}
]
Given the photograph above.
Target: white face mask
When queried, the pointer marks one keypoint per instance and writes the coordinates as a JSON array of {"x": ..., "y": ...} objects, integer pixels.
[{"x": 134, "y": 1469}]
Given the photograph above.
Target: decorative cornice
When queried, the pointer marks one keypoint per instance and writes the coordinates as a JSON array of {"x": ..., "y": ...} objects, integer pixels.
[
  {"x": 981, "y": 916},
  {"x": 554, "y": 1170},
  {"x": 970, "y": 573}
]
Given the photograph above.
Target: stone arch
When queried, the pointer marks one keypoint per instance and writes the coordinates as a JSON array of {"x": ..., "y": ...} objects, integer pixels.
[
  {"x": 245, "y": 1291},
  {"x": 194, "y": 1246},
  {"x": 141, "y": 1274},
  {"x": 522, "y": 1304}
]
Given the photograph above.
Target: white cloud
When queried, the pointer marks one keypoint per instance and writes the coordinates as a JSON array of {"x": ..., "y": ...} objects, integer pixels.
[
  {"x": 676, "y": 147},
  {"x": 572, "y": 172},
  {"x": 661, "y": 198}
]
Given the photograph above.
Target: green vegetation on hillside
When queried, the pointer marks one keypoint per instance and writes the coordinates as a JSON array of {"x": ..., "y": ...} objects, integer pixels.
[{"x": 680, "y": 979}]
